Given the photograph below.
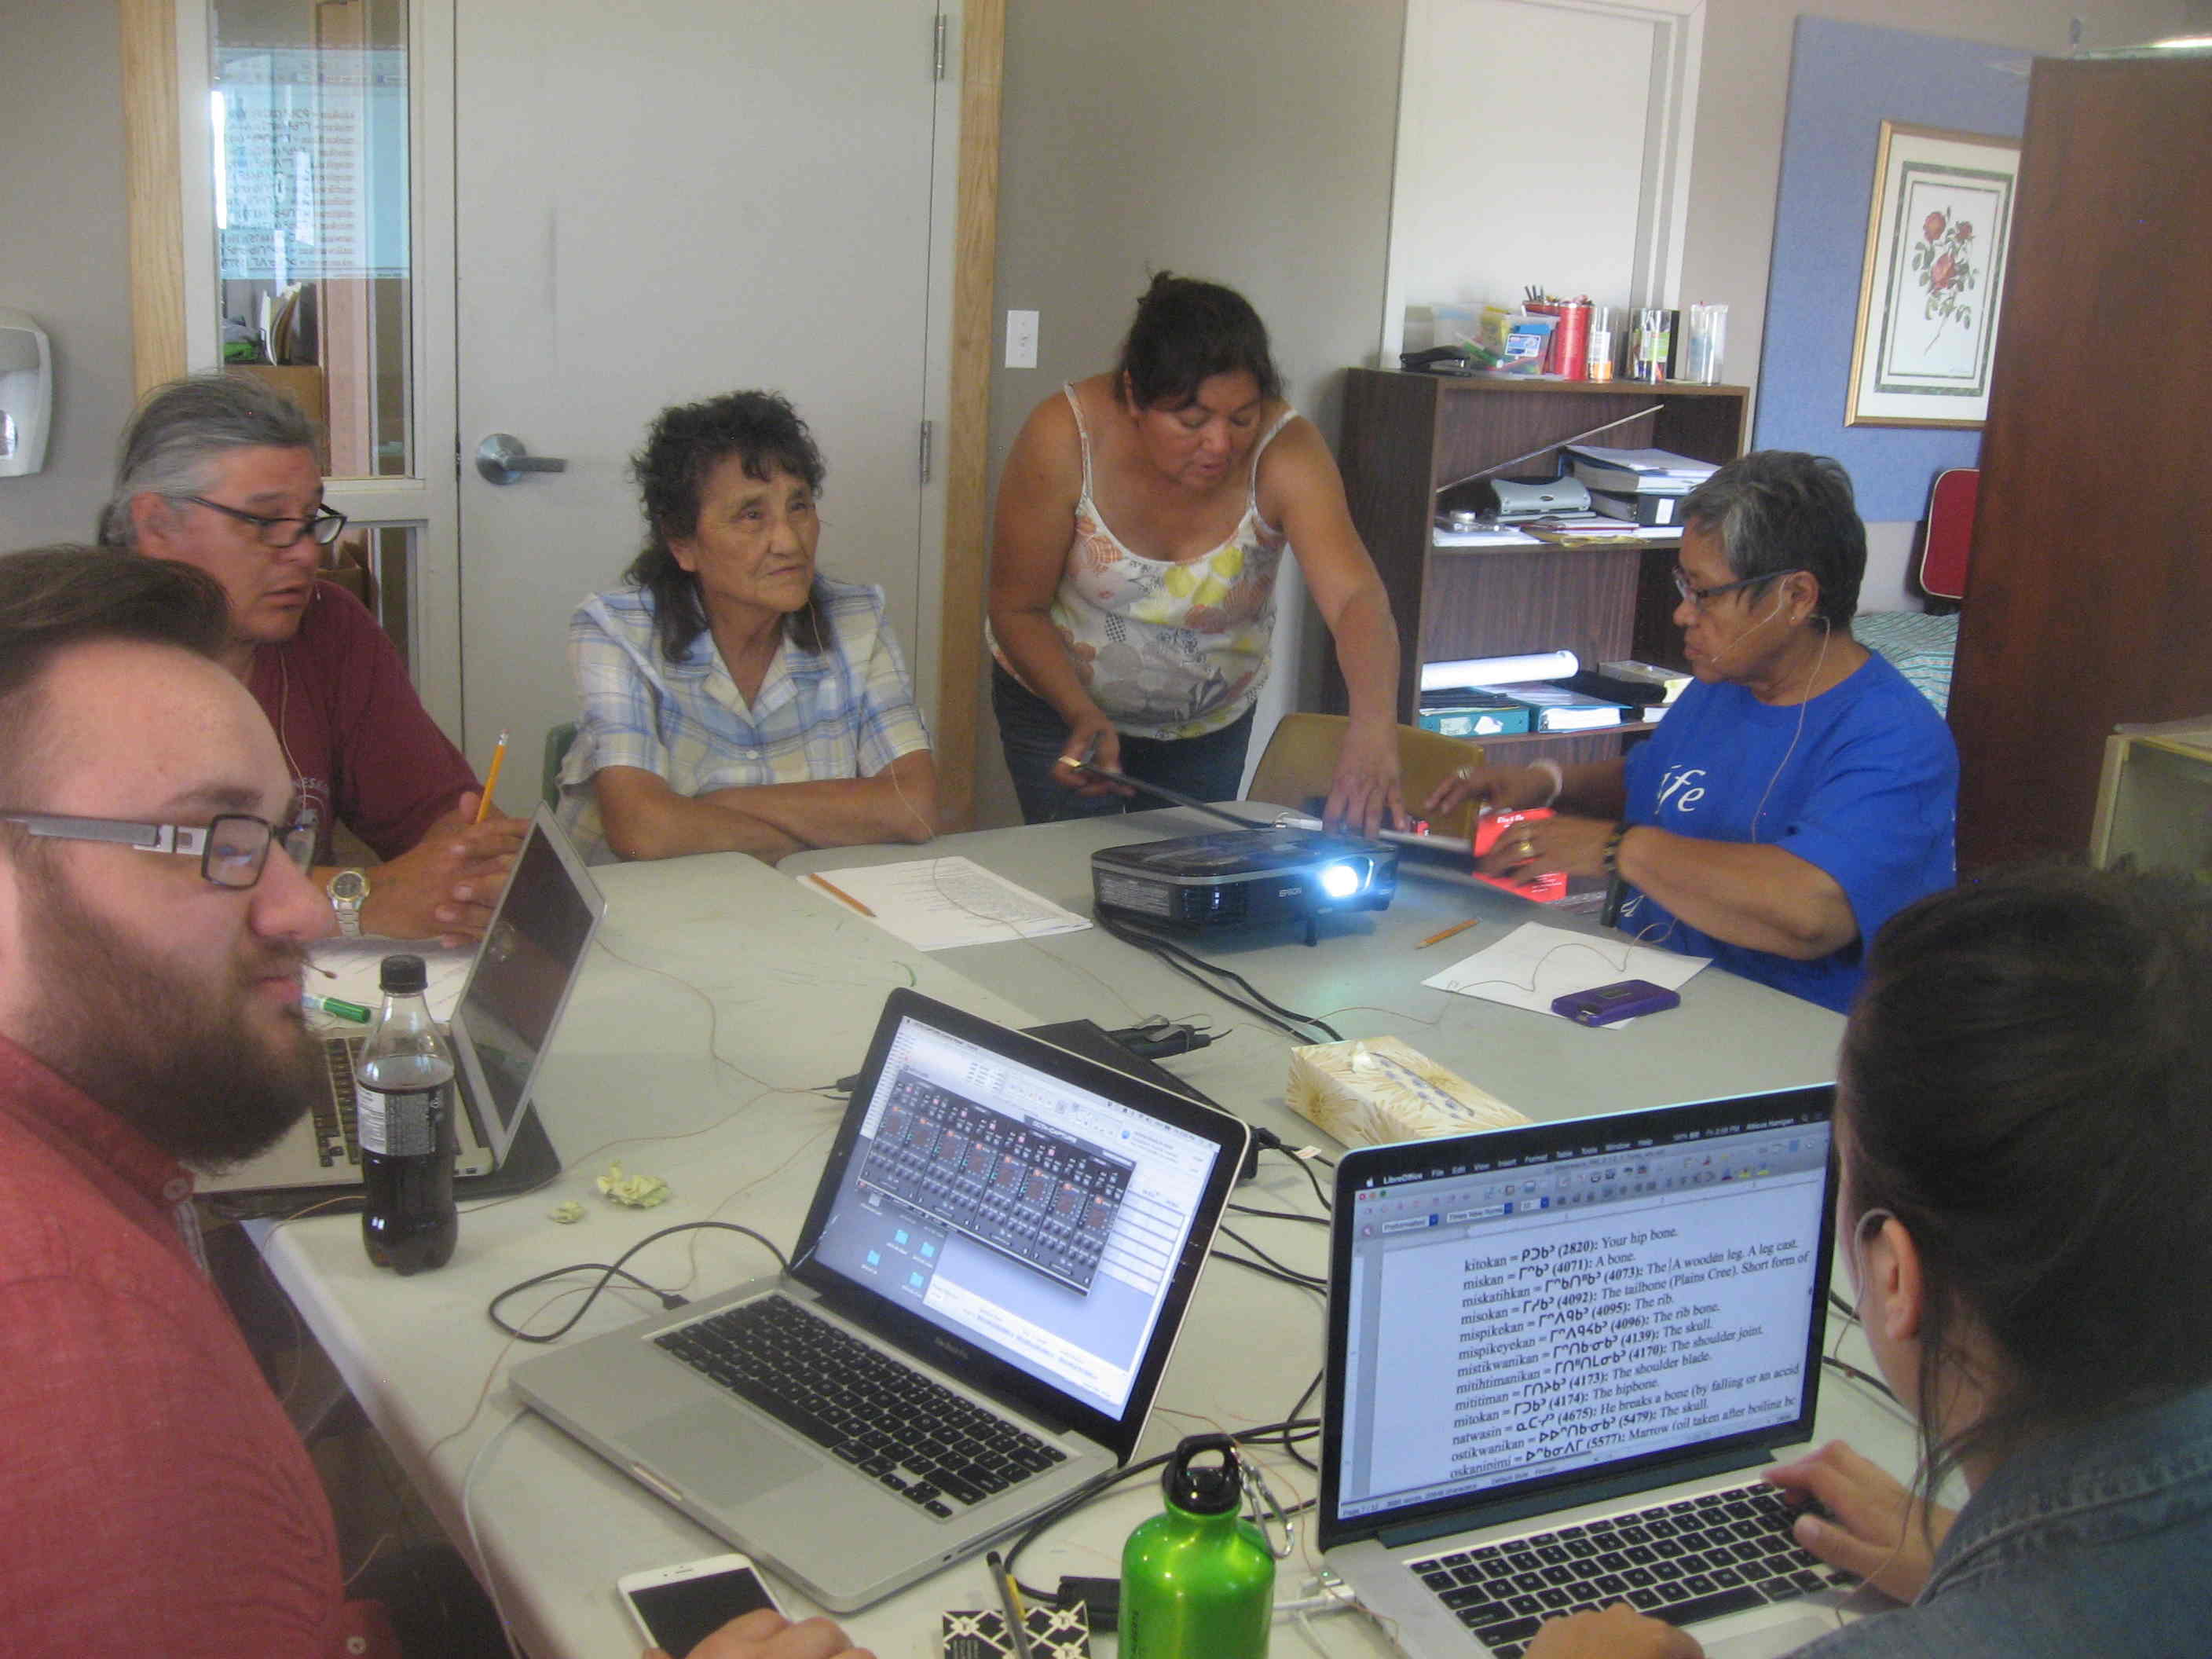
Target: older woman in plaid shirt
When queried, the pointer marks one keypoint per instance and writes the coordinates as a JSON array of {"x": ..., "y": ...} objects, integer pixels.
[{"x": 734, "y": 698}]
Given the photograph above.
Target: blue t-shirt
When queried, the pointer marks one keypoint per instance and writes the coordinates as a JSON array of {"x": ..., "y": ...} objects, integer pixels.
[{"x": 1867, "y": 791}]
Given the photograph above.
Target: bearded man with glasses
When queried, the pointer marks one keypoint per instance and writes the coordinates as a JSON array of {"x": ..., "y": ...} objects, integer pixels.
[
  {"x": 152, "y": 933},
  {"x": 220, "y": 473},
  {"x": 1794, "y": 797}
]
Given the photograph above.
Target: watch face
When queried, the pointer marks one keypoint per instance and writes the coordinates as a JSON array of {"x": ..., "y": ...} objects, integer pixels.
[{"x": 349, "y": 887}]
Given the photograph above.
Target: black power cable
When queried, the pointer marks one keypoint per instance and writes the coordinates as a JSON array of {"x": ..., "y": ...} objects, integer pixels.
[{"x": 609, "y": 1272}]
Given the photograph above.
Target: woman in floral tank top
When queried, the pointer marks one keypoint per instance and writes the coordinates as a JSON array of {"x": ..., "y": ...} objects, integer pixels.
[{"x": 1142, "y": 519}]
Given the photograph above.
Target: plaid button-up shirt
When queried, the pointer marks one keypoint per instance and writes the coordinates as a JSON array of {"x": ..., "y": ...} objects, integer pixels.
[{"x": 846, "y": 713}]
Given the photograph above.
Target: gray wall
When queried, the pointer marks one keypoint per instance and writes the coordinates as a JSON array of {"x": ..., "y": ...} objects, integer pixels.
[{"x": 62, "y": 248}]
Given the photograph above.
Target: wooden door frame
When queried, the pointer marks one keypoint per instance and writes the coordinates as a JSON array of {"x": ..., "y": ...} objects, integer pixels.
[{"x": 154, "y": 191}]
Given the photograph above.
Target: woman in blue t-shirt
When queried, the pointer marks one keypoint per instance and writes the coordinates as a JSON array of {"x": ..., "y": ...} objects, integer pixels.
[{"x": 1795, "y": 797}]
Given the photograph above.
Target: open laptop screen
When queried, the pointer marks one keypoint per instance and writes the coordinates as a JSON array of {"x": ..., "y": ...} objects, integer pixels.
[
  {"x": 1027, "y": 1213},
  {"x": 524, "y": 971},
  {"x": 1526, "y": 1310}
]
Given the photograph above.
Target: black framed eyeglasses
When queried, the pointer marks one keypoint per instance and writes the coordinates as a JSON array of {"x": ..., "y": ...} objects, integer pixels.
[
  {"x": 1695, "y": 597},
  {"x": 232, "y": 849},
  {"x": 326, "y": 525}
]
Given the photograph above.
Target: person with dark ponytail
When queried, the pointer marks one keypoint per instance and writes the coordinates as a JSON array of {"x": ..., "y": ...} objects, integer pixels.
[
  {"x": 1142, "y": 519},
  {"x": 2025, "y": 1122}
]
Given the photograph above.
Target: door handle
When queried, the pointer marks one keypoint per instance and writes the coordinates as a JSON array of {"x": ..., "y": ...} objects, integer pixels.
[{"x": 502, "y": 459}]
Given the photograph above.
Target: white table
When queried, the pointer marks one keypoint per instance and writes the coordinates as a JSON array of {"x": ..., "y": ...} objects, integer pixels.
[{"x": 723, "y": 993}]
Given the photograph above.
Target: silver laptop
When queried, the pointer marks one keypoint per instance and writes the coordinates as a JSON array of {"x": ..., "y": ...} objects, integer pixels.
[
  {"x": 519, "y": 984},
  {"x": 990, "y": 1280},
  {"x": 1554, "y": 1352}
]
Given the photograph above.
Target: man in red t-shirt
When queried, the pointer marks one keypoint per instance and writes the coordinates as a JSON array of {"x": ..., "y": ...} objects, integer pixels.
[
  {"x": 220, "y": 473},
  {"x": 154, "y": 1498}
]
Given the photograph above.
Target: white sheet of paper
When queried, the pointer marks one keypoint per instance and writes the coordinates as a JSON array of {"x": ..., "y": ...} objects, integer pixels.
[
  {"x": 358, "y": 962},
  {"x": 1534, "y": 963},
  {"x": 937, "y": 904}
]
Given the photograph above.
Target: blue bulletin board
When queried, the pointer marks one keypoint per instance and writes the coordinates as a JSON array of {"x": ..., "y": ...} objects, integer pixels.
[{"x": 1846, "y": 79}]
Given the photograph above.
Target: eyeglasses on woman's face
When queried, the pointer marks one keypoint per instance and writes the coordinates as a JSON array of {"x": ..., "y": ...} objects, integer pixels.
[{"x": 1695, "y": 597}]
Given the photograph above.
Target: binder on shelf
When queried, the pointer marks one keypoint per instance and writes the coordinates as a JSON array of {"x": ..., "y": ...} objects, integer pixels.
[
  {"x": 1670, "y": 681},
  {"x": 1655, "y": 509},
  {"x": 1608, "y": 687},
  {"x": 1556, "y": 709},
  {"x": 1637, "y": 471},
  {"x": 1473, "y": 713}
]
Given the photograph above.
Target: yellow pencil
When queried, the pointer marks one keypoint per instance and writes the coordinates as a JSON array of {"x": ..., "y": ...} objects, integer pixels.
[
  {"x": 1456, "y": 927},
  {"x": 491, "y": 778},
  {"x": 831, "y": 887}
]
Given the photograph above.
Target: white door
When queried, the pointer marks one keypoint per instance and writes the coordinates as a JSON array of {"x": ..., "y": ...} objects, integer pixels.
[{"x": 656, "y": 202}]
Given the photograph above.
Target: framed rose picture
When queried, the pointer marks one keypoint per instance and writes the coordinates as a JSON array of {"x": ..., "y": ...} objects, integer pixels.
[{"x": 1936, "y": 235}]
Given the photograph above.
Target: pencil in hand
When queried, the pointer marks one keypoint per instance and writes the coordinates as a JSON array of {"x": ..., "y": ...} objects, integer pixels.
[{"x": 491, "y": 778}]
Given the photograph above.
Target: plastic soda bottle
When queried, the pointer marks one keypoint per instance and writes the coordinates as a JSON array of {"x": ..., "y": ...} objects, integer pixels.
[
  {"x": 1198, "y": 1581},
  {"x": 408, "y": 1223}
]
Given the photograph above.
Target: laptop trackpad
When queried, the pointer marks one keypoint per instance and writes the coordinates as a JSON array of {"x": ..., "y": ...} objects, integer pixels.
[
  {"x": 1770, "y": 1640},
  {"x": 707, "y": 1452}
]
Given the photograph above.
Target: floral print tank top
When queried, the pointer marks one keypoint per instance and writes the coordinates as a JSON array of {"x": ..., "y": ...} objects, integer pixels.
[{"x": 1170, "y": 648}]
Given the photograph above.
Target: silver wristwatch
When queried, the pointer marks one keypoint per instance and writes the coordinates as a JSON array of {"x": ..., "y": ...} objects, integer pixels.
[{"x": 349, "y": 892}]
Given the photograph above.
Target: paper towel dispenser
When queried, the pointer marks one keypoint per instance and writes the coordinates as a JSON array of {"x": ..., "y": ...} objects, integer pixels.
[{"x": 27, "y": 394}]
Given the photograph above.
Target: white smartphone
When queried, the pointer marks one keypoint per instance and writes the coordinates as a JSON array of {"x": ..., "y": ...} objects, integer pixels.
[{"x": 679, "y": 1608}]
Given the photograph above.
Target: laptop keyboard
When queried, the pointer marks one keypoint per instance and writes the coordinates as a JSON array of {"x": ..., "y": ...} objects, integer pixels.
[
  {"x": 1698, "y": 1559},
  {"x": 933, "y": 1448}
]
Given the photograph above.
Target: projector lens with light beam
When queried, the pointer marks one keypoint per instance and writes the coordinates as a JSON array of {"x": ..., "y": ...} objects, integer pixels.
[{"x": 1243, "y": 878}]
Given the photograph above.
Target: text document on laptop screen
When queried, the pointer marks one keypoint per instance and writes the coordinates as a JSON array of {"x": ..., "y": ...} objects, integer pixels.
[
  {"x": 1037, "y": 1219},
  {"x": 1617, "y": 1300}
]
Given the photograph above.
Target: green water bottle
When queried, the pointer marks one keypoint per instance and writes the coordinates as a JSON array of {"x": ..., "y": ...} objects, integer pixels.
[{"x": 1198, "y": 1582}]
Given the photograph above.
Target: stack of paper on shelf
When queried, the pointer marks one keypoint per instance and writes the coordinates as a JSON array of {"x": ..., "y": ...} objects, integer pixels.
[
  {"x": 1637, "y": 471},
  {"x": 1554, "y": 709}
]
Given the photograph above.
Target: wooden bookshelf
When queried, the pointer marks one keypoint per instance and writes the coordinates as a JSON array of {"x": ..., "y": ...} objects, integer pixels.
[{"x": 1412, "y": 443}]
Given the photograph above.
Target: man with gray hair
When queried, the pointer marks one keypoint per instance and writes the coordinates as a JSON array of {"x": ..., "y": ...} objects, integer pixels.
[{"x": 220, "y": 473}]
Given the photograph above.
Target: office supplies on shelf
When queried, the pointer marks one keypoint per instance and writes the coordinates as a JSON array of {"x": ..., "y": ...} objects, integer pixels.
[
  {"x": 1515, "y": 499},
  {"x": 1641, "y": 507},
  {"x": 940, "y": 904},
  {"x": 1595, "y": 532},
  {"x": 1571, "y": 341},
  {"x": 1670, "y": 681},
  {"x": 1473, "y": 713},
  {"x": 1491, "y": 671},
  {"x": 1707, "y": 343},
  {"x": 1483, "y": 535},
  {"x": 1651, "y": 345},
  {"x": 1629, "y": 693},
  {"x": 1557, "y": 709}
]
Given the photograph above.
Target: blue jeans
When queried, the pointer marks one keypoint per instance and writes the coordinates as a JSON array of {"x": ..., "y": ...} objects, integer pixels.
[{"x": 1031, "y": 734}]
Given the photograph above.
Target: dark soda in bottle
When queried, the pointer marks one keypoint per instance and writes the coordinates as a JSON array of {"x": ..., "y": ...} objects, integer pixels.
[{"x": 408, "y": 1221}]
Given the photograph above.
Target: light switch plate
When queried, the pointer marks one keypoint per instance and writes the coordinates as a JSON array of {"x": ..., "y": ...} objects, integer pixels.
[{"x": 1021, "y": 339}]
